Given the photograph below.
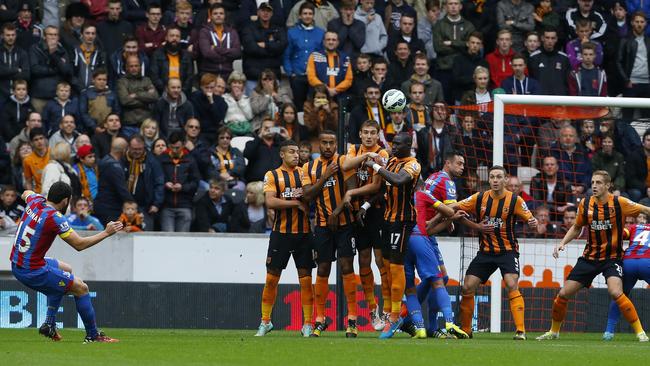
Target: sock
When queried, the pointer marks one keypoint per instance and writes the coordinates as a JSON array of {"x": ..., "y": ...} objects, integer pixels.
[
  {"x": 306, "y": 298},
  {"x": 397, "y": 287},
  {"x": 629, "y": 312},
  {"x": 350, "y": 289},
  {"x": 269, "y": 294},
  {"x": 321, "y": 290},
  {"x": 87, "y": 313},
  {"x": 466, "y": 313},
  {"x": 559, "y": 313},
  {"x": 415, "y": 310},
  {"x": 368, "y": 285},
  {"x": 612, "y": 317},
  {"x": 53, "y": 303},
  {"x": 444, "y": 303},
  {"x": 385, "y": 286},
  {"x": 517, "y": 307}
]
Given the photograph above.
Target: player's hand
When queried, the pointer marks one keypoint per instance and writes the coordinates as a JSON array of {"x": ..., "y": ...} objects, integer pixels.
[
  {"x": 458, "y": 215},
  {"x": 113, "y": 227},
  {"x": 331, "y": 170},
  {"x": 303, "y": 207},
  {"x": 557, "y": 250},
  {"x": 361, "y": 215},
  {"x": 347, "y": 200},
  {"x": 532, "y": 223},
  {"x": 485, "y": 227},
  {"x": 371, "y": 155}
]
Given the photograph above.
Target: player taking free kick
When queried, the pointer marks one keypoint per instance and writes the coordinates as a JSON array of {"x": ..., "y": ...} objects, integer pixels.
[
  {"x": 38, "y": 227},
  {"x": 604, "y": 215}
]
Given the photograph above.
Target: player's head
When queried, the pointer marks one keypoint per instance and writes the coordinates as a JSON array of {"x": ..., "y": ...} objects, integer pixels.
[
  {"x": 601, "y": 183},
  {"x": 369, "y": 133},
  {"x": 402, "y": 145},
  {"x": 289, "y": 153},
  {"x": 327, "y": 142},
  {"x": 454, "y": 163},
  {"x": 130, "y": 208},
  {"x": 497, "y": 176},
  {"x": 59, "y": 195},
  {"x": 570, "y": 215}
]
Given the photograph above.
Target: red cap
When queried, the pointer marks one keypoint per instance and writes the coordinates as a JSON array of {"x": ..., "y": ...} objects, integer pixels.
[{"x": 84, "y": 151}]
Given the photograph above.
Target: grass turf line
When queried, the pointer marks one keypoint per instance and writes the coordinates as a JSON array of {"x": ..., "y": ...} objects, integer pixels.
[{"x": 239, "y": 347}]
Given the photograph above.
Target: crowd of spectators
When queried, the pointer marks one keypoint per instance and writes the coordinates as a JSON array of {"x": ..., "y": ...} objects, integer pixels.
[{"x": 135, "y": 103}]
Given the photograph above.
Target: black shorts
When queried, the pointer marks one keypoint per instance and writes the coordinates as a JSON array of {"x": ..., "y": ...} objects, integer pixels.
[
  {"x": 283, "y": 246},
  {"x": 396, "y": 237},
  {"x": 484, "y": 264},
  {"x": 369, "y": 235},
  {"x": 586, "y": 270},
  {"x": 332, "y": 245}
]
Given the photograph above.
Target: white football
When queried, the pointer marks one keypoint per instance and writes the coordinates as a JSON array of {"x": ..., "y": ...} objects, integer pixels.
[{"x": 394, "y": 100}]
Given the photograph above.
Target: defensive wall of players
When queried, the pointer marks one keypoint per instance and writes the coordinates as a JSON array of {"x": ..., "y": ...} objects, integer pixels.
[{"x": 208, "y": 281}]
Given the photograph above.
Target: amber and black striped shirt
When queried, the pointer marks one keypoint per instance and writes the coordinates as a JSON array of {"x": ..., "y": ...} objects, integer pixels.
[
  {"x": 500, "y": 212},
  {"x": 333, "y": 190},
  {"x": 605, "y": 222},
  {"x": 399, "y": 200},
  {"x": 365, "y": 175},
  {"x": 286, "y": 184}
]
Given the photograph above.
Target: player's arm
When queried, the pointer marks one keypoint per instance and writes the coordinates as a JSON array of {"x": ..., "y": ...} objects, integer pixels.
[
  {"x": 644, "y": 209},
  {"x": 310, "y": 191},
  {"x": 80, "y": 243},
  {"x": 275, "y": 203},
  {"x": 397, "y": 179},
  {"x": 571, "y": 234},
  {"x": 353, "y": 162},
  {"x": 26, "y": 193},
  {"x": 521, "y": 210}
]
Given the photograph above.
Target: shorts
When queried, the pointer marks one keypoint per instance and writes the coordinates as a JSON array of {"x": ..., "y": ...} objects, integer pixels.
[
  {"x": 48, "y": 279},
  {"x": 369, "y": 235},
  {"x": 483, "y": 265},
  {"x": 282, "y": 246},
  {"x": 635, "y": 269},
  {"x": 332, "y": 245},
  {"x": 436, "y": 250},
  {"x": 586, "y": 270},
  {"x": 421, "y": 256},
  {"x": 396, "y": 239}
]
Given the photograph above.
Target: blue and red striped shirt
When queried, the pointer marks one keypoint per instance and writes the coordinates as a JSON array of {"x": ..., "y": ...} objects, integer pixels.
[
  {"x": 439, "y": 188},
  {"x": 639, "y": 242}
]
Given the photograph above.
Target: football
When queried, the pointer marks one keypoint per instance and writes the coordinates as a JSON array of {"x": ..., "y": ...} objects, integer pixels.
[{"x": 394, "y": 100}]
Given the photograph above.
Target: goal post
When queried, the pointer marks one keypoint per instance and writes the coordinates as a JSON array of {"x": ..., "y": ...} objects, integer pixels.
[{"x": 499, "y": 108}]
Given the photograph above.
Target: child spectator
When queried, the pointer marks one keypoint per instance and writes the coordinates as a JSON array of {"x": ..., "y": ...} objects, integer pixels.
[
  {"x": 588, "y": 79},
  {"x": 132, "y": 220},
  {"x": 304, "y": 152},
  {"x": 86, "y": 169},
  {"x": 97, "y": 102},
  {"x": 15, "y": 110},
  {"x": 10, "y": 209},
  {"x": 584, "y": 29},
  {"x": 60, "y": 106},
  {"x": 81, "y": 219},
  {"x": 590, "y": 141}
]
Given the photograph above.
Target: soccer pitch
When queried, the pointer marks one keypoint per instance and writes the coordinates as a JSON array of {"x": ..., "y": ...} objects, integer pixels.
[{"x": 228, "y": 347}]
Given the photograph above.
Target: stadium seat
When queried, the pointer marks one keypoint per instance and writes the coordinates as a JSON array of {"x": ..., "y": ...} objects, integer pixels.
[
  {"x": 482, "y": 172},
  {"x": 525, "y": 175},
  {"x": 240, "y": 142}
]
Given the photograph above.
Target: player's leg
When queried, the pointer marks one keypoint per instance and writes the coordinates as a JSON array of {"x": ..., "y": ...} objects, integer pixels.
[
  {"x": 303, "y": 258},
  {"x": 384, "y": 269},
  {"x": 560, "y": 303},
  {"x": 413, "y": 303},
  {"x": 82, "y": 300},
  {"x": 346, "y": 250},
  {"x": 631, "y": 273},
  {"x": 54, "y": 298},
  {"x": 325, "y": 255},
  {"x": 364, "y": 245},
  {"x": 479, "y": 271},
  {"x": 400, "y": 234},
  {"x": 613, "y": 273},
  {"x": 509, "y": 265},
  {"x": 277, "y": 257}
]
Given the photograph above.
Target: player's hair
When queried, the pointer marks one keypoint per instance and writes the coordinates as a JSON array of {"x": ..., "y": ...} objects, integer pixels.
[
  {"x": 307, "y": 5},
  {"x": 416, "y": 83},
  {"x": 583, "y": 23},
  {"x": 286, "y": 143},
  {"x": 405, "y": 135},
  {"x": 476, "y": 34},
  {"x": 370, "y": 123},
  {"x": 58, "y": 192},
  {"x": 603, "y": 173},
  {"x": 498, "y": 167},
  {"x": 588, "y": 46},
  {"x": 19, "y": 82},
  {"x": 219, "y": 183},
  {"x": 327, "y": 132},
  {"x": 451, "y": 154}
]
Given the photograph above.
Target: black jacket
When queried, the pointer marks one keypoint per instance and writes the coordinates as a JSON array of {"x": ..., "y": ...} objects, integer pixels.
[
  {"x": 637, "y": 170},
  {"x": 112, "y": 190},
  {"x": 415, "y": 45},
  {"x": 102, "y": 144},
  {"x": 159, "y": 70},
  {"x": 351, "y": 37},
  {"x": 186, "y": 173},
  {"x": 47, "y": 70},
  {"x": 13, "y": 117},
  {"x": 626, "y": 56},
  {"x": 463, "y": 72},
  {"x": 552, "y": 70},
  {"x": 398, "y": 73},
  {"x": 561, "y": 194},
  {"x": 210, "y": 115},
  {"x": 163, "y": 113},
  {"x": 424, "y": 137},
  {"x": 14, "y": 65},
  {"x": 206, "y": 213},
  {"x": 111, "y": 34},
  {"x": 261, "y": 157},
  {"x": 154, "y": 183},
  {"x": 256, "y": 58}
]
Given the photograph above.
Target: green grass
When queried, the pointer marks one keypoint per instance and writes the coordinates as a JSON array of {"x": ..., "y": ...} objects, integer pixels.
[{"x": 221, "y": 347}]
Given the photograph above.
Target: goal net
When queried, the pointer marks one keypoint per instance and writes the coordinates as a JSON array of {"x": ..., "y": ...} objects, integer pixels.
[{"x": 551, "y": 144}]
